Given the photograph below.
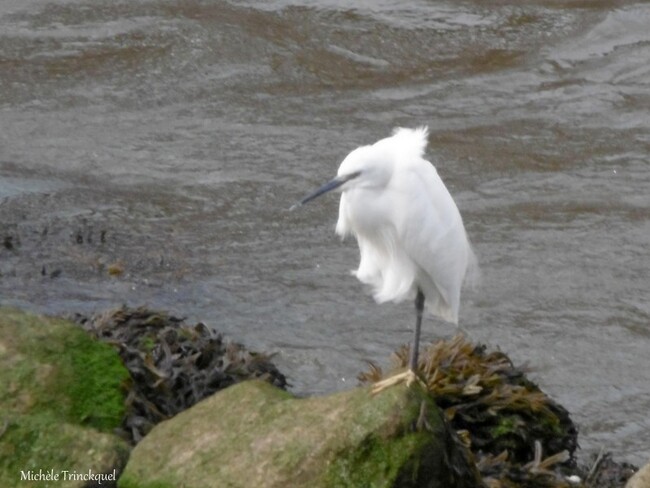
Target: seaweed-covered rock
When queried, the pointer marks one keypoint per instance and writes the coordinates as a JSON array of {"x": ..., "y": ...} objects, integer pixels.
[
  {"x": 253, "y": 434},
  {"x": 516, "y": 432},
  {"x": 173, "y": 365},
  {"x": 61, "y": 396},
  {"x": 518, "y": 435},
  {"x": 603, "y": 472}
]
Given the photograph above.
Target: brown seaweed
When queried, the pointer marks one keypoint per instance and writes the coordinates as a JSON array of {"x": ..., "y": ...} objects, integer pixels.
[
  {"x": 517, "y": 435},
  {"x": 173, "y": 365}
]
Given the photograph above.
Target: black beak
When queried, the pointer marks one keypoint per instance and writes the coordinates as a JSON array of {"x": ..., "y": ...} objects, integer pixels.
[{"x": 329, "y": 186}]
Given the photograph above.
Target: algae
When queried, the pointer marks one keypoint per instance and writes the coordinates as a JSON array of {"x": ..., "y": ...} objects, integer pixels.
[
  {"x": 42, "y": 441},
  {"x": 172, "y": 364},
  {"x": 53, "y": 365},
  {"x": 505, "y": 419},
  {"x": 61, "y": 395},
  {"x": 253, "y": 434}
]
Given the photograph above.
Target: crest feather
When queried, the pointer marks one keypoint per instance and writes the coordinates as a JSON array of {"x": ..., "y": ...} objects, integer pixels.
[{"x": 413, "y": 140}]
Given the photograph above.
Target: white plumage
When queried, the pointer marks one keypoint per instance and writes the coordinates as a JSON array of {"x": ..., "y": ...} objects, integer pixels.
[
  {"x": 410, "y": 233},
  {"x": 409, "y": 230}
]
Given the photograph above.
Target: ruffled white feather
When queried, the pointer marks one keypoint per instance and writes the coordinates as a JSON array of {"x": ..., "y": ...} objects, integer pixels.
[{"x": 409, "y": 230}]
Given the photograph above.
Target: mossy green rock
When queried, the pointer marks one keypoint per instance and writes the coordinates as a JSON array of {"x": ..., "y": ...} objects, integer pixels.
[
  {"x": 61, "y": 396},
  {"x": 253, "y": 434}
]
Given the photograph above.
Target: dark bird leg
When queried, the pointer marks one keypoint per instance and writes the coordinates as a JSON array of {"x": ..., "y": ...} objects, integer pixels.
[
  {"x": 410, "y": 375},
  {"x": 419, "y": 309}
]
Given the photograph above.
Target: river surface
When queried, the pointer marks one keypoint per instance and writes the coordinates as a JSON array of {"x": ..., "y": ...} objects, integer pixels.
[{"x": 150, "y": 151}]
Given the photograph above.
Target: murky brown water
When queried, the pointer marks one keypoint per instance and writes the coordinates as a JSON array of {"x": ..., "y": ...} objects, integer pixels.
[{"x": 169, "y": 138}]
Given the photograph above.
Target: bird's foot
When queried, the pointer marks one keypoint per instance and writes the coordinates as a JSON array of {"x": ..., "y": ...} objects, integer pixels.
[{"x": 408, "y": 377}]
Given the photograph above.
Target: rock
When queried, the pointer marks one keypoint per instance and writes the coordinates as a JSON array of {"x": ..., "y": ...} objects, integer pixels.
[
  {"x": 254, "y": 434},
  {"x": 641, "y": 478},
  {"x": 61, "y": 396}
]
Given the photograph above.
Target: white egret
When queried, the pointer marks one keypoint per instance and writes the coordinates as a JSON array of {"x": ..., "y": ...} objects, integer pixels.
[{"x": 410, "y": 233}]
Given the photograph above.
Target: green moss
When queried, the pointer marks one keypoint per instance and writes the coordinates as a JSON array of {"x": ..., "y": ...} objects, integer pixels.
[
  {"x": 253, "y": 434},
  {"x": 95, "y": 382},
  {"x": 60, "y": 396},
  {"x": 401, "y": 452},
  {"x": 379, "y": 462},
  {"x": 128, "y": 482},
  {"x": 42, "y": 441},
  {"x": 59, "y": 367},
  {"x": 508, "y": 424},
  {"x": 147, "y": 343}
]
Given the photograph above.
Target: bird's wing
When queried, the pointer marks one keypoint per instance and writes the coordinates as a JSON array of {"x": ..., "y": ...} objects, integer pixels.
[{"x": 430, "y": 229}]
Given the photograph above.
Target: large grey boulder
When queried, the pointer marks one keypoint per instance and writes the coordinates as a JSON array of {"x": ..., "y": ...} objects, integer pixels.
[{"x": 253, "y": 434}]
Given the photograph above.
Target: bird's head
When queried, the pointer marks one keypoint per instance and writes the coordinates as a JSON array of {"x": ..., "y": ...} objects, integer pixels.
[{"x": 365, "y": 167}]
